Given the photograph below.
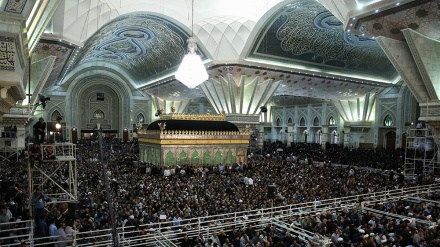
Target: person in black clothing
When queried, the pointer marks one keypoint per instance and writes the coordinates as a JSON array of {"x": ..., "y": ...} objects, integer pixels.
[
  {"x": 222, "y": 237},
  {"x": 391, "y": 176},
  {"x": 185, "y": 242},
  {"x": 35, "y": 154},
  {"x": 39, "y": 130}
]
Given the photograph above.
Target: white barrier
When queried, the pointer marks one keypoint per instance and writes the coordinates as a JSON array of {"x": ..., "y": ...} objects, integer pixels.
[{"x": 165, "y": 234}]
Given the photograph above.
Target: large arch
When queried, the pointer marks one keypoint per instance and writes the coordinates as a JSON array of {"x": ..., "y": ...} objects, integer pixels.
[{"x": 83, "y": 87}]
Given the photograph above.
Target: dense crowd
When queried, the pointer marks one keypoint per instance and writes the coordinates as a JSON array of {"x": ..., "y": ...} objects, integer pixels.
[
  {"x": 375, "y": 158},
  {"x": 143, "y": 195}
]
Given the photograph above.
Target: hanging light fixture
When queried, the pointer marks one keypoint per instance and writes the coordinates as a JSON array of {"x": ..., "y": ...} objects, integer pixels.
[{"x": 191, "y": 71}]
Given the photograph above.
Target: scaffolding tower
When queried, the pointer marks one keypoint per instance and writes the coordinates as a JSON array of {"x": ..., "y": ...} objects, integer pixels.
[
  {"x": 6, "y": 151},
  {"x": 57, "y": 176},
  {"x": 421, "y": 153},
  {"x": 254, "y": 148}
]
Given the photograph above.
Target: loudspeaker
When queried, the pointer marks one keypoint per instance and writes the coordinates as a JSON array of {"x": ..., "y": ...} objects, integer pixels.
[
  {"x": 100, "y": 96},
  {"x": 74, "y": 210},
  {"x": 271, "y": 191}
]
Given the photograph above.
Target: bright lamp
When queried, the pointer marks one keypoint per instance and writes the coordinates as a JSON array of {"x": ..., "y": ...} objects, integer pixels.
[{"x": 191, "y": 71}]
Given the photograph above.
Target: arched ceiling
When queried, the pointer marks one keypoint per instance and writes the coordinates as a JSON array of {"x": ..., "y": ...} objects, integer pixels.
[
  {"x": 304, "y": 33},
  {"x": 296, "y": 38},
  {"x": 144, "y": 45},
  {"x": 78, "y": 20}
]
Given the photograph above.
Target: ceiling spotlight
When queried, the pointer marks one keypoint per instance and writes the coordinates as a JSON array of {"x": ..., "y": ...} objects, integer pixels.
[{"x": 227, "y": 68}]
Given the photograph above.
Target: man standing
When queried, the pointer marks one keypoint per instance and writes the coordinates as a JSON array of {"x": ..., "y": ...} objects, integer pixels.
[
  {"x": 53, "y": 231},
  {"x": 38, "y": 201},
  {"x": 63, "y": 238},
  {"x": 39, "y": 130},
  {"x": 69, "y": 230}
]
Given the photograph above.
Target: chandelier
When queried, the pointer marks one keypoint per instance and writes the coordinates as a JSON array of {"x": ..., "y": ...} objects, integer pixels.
[{"x": 191, "y": 71}]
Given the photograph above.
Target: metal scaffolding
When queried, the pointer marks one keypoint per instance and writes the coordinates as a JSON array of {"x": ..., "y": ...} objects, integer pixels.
[
  {"x": 57, "y": 176},
  {"x": 254, "y": 147},
  {"x": 421, "y": 154}
]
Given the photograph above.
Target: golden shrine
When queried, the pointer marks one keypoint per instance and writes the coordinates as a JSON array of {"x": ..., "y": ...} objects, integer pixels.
[{"x": 182, "y": 139}]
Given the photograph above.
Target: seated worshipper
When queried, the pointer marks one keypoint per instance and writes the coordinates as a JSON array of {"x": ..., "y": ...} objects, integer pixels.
[
  {"x": 35, "y": 154},
  {"x": 49, "y": 153}
]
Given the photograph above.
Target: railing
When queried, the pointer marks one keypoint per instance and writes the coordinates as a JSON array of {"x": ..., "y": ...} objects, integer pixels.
[
  {"x": 398, "y": 216},
  {"x": 16, "y": 232},
  {"x": 169, "y": 233}
]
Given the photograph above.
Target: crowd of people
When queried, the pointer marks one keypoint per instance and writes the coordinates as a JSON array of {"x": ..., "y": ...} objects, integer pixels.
[
  {"x": 386, "y": 159},
  {"x": 144, "y": 195}
]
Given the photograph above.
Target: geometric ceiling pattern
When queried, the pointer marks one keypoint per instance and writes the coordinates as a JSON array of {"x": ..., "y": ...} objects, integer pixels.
[
  {"x": 304, "y": 32},
  {"x": 145, "y": 45},
  {"x": 298, "y": 42},
  {"x": 224, "y": 36},
  {"x": 61, "y": 51},
  {"x": 422, "y": 16},
  {"x": 316, "y": 55}
]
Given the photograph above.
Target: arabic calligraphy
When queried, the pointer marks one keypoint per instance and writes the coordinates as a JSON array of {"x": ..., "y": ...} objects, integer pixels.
[
  {"x": 7, "y": 53},
  {"x": 15, "y": 6}
]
